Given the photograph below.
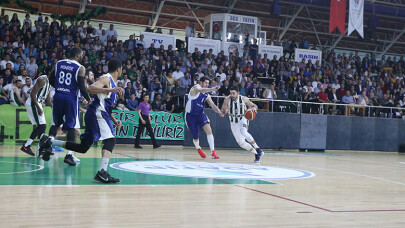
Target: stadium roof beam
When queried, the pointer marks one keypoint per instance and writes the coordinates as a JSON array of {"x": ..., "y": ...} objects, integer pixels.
[
  {"x": 313, "y": 25},
  {"x": 159, "y": 10},
  {"x": 336, "y": 42},
  {"x": 290, "y": 22},
  {"x": 393, "y": 42},
  {"x": 232, "y": 6},
  {"x": 195, "y": 16}
]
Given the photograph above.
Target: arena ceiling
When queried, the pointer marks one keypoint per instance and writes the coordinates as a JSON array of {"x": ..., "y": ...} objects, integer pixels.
[{"x": 298, "y": 18}]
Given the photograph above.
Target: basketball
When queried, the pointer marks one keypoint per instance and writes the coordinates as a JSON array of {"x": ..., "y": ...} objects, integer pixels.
[{"x": 250, "y": 114}]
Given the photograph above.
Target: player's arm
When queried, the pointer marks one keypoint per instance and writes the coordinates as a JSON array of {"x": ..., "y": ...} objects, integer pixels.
[
  {"x": 48, "y": 100},
  {"x": 4, "y": 93},
  {"x": 82, "y": 85},
  {"x": 249, "y": 104},
  {"x": 51, "y": 77},
  {"x": 214, "y": 107},
  {"x": 101, "y": 86},
  {"x": 18, "y": 96},
  {"x": 115, "y": 121},
  {"x": 225, "y": 106},
  {"x": 37, "y": 86},
  {"x": 198, "y": 89}
]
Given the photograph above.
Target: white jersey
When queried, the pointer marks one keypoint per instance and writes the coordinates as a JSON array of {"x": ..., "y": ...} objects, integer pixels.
[
  {"x": 32, "y": 109},
  {"x": 43, "y": 92},
  {"x": 237, "y": 110},
  {"x": 12, "y": 96}
]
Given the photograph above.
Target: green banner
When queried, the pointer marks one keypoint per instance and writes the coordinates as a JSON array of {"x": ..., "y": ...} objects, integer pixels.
[
  {"x": 166, "y": 126},
  {"x": 15, "y": 126}
]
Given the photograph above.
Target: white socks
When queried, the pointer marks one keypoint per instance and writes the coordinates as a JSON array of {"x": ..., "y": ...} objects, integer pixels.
[
  {"x": 57, "y": 142},
  {"x": 28, "y": 143},
  {"x": 210, "y": 139},
  {"x": 255, "y": 145},
  {"x": 197, "y": 144},
  {"x": 104, "y": 163}
]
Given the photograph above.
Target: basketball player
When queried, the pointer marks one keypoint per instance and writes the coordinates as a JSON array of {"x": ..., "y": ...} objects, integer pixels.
[
  {"x": 98, "y": 121},
  {"x": 38, "y": 95},
  {"x": 68, "y": 80},
  {"x": 235, "y": 105},
  {"x": 195, "y": 116}
]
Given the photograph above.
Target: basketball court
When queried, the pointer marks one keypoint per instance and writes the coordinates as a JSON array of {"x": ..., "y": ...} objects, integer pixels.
[{"x": 173, "y": 187}]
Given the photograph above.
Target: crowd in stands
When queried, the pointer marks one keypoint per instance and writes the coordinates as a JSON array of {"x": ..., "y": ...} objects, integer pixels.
[{"x": 29, "y": 49}]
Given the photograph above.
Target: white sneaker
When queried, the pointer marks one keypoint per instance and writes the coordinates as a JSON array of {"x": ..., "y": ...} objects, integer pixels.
[{"x": 75, "y": 159}]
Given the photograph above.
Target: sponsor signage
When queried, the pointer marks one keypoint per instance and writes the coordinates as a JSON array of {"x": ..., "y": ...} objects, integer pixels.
[
  {"x": 271, "y": 51},
  {"x": 211, "y": 170},
  {"x": 204, "y": 44},
  {"x": 159, "y": 39},
  {"x": 307, "y": 54}
]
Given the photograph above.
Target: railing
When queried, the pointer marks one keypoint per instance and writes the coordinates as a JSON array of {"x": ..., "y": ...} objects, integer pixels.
[{"x": 318, "y": 107}]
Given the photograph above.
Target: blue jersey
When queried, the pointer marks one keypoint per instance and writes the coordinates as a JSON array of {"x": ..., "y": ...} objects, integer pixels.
[
  {"x": 103, "y": 102},
  {"x": 195, "y": 104},
  {"x": 66, "y": 74}
]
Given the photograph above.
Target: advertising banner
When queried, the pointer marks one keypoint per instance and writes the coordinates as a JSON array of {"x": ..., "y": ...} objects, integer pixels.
[
  {"x": 159, "y": 39},
  {"x": 15, "y": 126},
  {"x": 166, "y": 126},
  {"x": 271, "y": 51},
  {"x": 356, "y": 17},
  {"x": 204, "y": 44},
  {"x": 306, "y": 54}
]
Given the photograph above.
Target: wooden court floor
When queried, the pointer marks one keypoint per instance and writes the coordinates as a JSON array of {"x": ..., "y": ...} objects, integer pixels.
[{"x": 173, "y": 187}]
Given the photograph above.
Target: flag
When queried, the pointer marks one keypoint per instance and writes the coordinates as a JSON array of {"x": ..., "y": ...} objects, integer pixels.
[
  {"x": 356, "y": 15},
  {"x": 337, "y": 16}
]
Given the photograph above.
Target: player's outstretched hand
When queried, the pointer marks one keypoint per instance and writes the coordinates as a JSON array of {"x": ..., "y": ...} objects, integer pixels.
[
  {"x": 216, "y": 88},
  {"x": 119, "y": 90},
  {"x": 119, "y": 124}
]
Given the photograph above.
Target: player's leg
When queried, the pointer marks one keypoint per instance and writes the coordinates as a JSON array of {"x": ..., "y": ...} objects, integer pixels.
[
  {"x": 192, "y": 125},
  {"x": 102, "y": 175},
  {"x": 240, "y": 139},
  {"x": 39, "y": 124},
  {"x": 205, "y": 124},
  {"x": 141, "y": 127},
  {"x": 71, "y": 123},
  {"x": 150, "y": 131},
  {"x": 250, "y": 139}
]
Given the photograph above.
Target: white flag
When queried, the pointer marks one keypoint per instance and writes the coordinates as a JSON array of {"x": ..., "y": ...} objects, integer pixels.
[{"x": 356, "y": 15}]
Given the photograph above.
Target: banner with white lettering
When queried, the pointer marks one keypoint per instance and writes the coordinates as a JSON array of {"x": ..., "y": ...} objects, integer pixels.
[
  {"x": 356, "y": 15},
  {"x": 204, "y": 44},
  {"x": 307, "y": 54},
  {"x": 166, "y": 126},
  {"x": 159, "y": 39},
  {"x": 271, "y": 51}
]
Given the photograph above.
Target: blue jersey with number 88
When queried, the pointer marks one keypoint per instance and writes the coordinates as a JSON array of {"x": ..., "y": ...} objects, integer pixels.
[{"x": 66, "y": 77}]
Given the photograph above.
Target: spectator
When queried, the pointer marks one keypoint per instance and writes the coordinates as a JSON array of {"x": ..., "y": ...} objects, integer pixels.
[
  {"x": 112, "y": 32},
  {"x": 190, "y": 32},
  {"x": 185, "y": 82},
  {"x": 27, "y": 87},
  {"x": 348, "y": 98},
  {"x": 157, "y": 104},
  {"x": 132, "y": 103},
  {"x": 32, "y": 68},
  {"x": 155, "y": 87},
  {"x": 6, "y": 61},
  {"x": 168, "y": 104},
  {"x": 140, "y": 43},
  {"x": 225, "y": 89}
]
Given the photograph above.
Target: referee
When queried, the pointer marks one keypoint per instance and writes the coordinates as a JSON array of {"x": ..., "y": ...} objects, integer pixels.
[{"x": 145, "y": 121}]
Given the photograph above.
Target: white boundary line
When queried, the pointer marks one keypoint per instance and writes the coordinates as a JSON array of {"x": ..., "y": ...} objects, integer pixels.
[{"x": 28, "y": 171}]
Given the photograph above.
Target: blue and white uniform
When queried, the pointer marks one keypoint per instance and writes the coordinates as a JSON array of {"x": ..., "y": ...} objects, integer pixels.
[
  {"x": 98, "y": 121},
  {"x": 66, "y": 99},
  {"x": 195, "y": 116}
]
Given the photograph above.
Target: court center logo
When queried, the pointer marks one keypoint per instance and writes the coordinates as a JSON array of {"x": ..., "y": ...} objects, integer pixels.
[{"x": 211, "y": 170}]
